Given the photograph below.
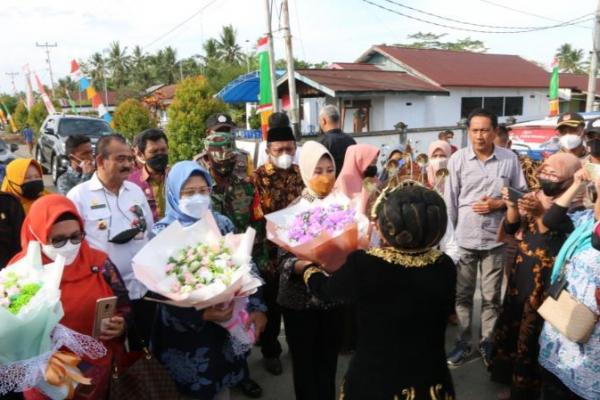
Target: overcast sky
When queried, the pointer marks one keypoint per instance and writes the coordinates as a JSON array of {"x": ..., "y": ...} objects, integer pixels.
[{"x": 330, "y": 30}]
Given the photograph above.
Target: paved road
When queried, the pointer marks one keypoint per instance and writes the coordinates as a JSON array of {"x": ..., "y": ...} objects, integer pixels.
[{"x": 471, "y": 379}]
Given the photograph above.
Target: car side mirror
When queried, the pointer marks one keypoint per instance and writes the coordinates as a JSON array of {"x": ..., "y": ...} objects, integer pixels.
[
  {"x": 14, "y": 147},
  {"x": 49, "y": 131}
]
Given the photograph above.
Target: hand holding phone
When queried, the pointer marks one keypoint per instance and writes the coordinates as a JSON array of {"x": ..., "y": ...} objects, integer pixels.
[
  {"x": 515, "y": 195},
  {"x": 105, "y": 309}
]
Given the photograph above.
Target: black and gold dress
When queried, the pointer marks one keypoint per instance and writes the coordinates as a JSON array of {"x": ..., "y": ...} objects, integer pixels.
[{"x": 402, "y": 304}]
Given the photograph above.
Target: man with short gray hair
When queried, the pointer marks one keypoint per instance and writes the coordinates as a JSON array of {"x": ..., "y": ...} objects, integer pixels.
[{"x": 334, "y": 139}]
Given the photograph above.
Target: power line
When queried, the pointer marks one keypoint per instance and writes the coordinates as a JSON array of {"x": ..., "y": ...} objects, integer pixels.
[
  {"x": 567, "y": 23},
  {"x": 481, "y": 25},
  {"x": 188, "y": 19},
  {"x": 527, "y": 13}
]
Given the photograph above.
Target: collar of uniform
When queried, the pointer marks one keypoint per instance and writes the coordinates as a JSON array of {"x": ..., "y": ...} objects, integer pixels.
[
  {"x": 96, "y": 184},
  {"x": 471, "y": 154},
  {"x": 146, "y": 177}
]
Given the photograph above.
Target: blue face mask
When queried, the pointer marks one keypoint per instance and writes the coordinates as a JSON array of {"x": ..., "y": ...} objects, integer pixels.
[{"x": 195, "y": 206}]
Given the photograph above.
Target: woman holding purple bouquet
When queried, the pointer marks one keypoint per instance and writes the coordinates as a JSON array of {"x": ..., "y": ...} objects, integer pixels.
[
  {"x": 403, "y": 292},
  {"x": 312, "y": 327}
]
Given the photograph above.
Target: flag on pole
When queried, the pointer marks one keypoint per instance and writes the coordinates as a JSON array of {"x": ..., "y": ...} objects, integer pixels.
[
  {"x": 71, "y": 102},
  {"x": 29, "y": 91},
  {"x": 9, "y": 118},
  {"x": 86, "y": 86},
  {"x": 45, "y": 98},
  {"x": 553, "y": 90},
  {"x": 265, "y": 97},
  {"x": 3, "y": 117}
]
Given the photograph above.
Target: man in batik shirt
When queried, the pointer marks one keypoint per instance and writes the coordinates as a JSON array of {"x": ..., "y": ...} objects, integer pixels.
[
  {"x": 237, "y": 199},
  {"x": 278, "y": 183}
]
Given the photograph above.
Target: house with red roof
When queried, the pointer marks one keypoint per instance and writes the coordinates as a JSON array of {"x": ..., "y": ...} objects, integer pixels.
[{"x": 428, "y": 88}]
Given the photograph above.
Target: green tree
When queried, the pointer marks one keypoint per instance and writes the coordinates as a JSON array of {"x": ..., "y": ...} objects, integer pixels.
[
  {"x": 9, "y": 102},
  {"x": 164, "y": 66},
  {"x": 192, "y": 105},
  {"x": 95, "y": 69},
  {"x": 131, "y": 117},
  {"x": 118, "y": 63},
  {"x": 20, "y": 116},
  {"x": 430, "y": 40},
  {"x": 570, "y": 59},
  {"x": 36, "y": 115},
  {"x": 228, "y": 50},
  {"x": 141, "y": 73}
]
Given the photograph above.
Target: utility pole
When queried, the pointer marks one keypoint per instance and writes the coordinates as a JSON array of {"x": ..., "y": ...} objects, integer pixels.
[
  {"x": 48, "y": 46},
  {"x": 274, "y": 98},
  {"x": 591, "y": 92},
  {"x": 12, "y": 79},
  {"x": 289, "y": 55}
]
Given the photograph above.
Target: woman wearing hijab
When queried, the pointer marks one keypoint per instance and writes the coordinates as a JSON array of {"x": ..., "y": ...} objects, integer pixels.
[
  {"x": 439, "y": 152},
  {"x": 23, "y": 180},
  {"x": 312, "y": 327},
  {"x": 11, "y": 220},
  {"x": 197, "y": 351},
  {"x": 403, "y": 293},
  {"x": 393, "y": 162},
  {"x": 358, "y": 178},
  {"x": 88, "y": 276},
  {"x": 514, "y": 359}
]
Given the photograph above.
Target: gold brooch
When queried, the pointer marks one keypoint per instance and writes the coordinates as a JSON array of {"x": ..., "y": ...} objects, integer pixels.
[
  {"x": 102, "y": 225},
  {"x": 420, "y": 258}
]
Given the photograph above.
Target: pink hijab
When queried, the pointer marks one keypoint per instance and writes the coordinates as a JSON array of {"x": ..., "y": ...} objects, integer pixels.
[
  {"x": 350, "y": 181},
  {"x": 565, "y": 165},
  {"x": 433, "y": 147}
]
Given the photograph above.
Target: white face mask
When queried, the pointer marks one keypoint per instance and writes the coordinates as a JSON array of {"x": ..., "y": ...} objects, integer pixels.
[
  {"x": 439, "y": 163},
  {"x": 570, "y": 141},
  {"x": 69, "y": 251},
  {"x": 195, "y": 206},
  {"x": 284, "y": 161}
]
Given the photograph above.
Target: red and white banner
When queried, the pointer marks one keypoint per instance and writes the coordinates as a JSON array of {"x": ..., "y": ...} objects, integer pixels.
[
  {"x": 29, "y": 91},
  {"x": 45, "y": 97}
]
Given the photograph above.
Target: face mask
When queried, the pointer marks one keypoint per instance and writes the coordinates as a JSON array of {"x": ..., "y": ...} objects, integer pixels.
[
  {"x": 195, "y": 206},
  {"x": 69, "y": 251},
  {"x": 594, "y": 146},
  {"x": 439, "y": 163},
  {"x": 284, "y": 161},
  {"x": 553, "y": 189},
  {"x": 570, "y": 141},
  {"x": 322, "y": 184},
  {"x": 224, "y": 168},
  {"x": 32, "y": 189},
  {"x": 158, "y": 162},
  {"x": 371, "y": 171}
]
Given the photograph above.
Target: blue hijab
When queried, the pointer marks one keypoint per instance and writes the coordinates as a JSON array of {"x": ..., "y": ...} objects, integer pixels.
[{"x": 178, "y": 175}]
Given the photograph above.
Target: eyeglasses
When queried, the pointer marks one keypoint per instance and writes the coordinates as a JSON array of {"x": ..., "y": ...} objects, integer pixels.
[
  {"x": 128, "y": 234},
  {"x": 59, "y": 241},
  {"x": 204, "y": 190}
]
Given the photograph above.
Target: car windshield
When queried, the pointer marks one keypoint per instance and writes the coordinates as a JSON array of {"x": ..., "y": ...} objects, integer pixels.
[
  {"x": 3, "y": 145},
  {"x": 87, "y": 127}
]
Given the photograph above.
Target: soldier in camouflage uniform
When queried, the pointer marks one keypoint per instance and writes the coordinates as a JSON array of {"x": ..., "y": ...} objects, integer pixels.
[{"x": 236, "y": 198}]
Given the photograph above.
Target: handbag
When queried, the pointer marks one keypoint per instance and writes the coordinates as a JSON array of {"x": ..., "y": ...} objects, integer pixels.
[
  {"x": 572, "y": 319},
  {"x": 146, "y": 379}
]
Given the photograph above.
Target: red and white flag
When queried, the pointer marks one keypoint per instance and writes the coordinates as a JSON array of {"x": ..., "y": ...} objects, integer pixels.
[
  {"x": 76, "y": 73},
  {"x": 45, "y": 98}
]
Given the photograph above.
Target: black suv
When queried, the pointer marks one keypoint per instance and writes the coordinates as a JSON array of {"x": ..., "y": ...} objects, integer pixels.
[{"x": 50, "y": 149}]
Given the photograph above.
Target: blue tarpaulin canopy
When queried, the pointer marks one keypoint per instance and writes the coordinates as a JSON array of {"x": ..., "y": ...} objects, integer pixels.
[{"x": 243, "y": 89}]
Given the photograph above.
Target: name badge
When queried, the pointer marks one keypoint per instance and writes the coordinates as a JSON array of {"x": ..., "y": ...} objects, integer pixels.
[{"x": 98, "y": 206}]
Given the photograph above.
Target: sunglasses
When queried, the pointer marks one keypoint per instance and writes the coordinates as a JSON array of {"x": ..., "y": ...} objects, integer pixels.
[
  {"x": 127, "y": 235},
  {"x": 59, "y": 241}
]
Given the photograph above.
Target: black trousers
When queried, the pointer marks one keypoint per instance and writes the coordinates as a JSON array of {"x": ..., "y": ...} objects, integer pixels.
[
  {"x": 554, "y": 389},
  {"x": 313, "y": 337},
  {"x": 144, "y": 312},
  {"x": 269, "y": 342}
]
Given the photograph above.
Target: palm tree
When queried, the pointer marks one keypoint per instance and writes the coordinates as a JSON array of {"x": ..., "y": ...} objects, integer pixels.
[
  {"x": 140, "y": 71},
  {"x": 164, "y": 65},
  {"x": 211, "y": 51},
  {"x": 227, "y": 48},
  {"x": 95, "y": 69},
  {"x": 569, "y": 59},
  {"x": 118, "y": 63}
]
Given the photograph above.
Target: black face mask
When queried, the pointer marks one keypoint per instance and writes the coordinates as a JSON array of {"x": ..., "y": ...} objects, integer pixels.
[
  {"x": 224, "y": 168},
  {"x": 32, "y": 189},
  {"x": 553, "y": 189},
  {"x": 594, "y": 146},
  {"x": 158, "y": 162},
  {"x": 371, "y": 171}
]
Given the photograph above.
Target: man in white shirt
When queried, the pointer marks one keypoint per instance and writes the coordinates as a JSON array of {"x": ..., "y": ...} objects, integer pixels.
[{"x": 117, "y": 217}]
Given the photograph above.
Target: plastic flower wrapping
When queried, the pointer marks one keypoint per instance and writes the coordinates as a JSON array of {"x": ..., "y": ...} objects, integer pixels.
[
  {"x": 32, "y": 342},
  {"x": 323, "y": 231},
  {"x": 196, "y": 266}
]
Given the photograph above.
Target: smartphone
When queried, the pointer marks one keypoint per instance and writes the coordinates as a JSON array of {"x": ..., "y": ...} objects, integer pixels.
[
  {"x": 514, "y": 195},
  {"x": 105, "y": 308},
  {"x": 593, "y": 170}
]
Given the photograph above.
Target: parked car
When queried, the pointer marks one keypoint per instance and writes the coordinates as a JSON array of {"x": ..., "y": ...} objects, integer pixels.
[
  {"x": 50, "y": 148},
  {"x": 6, "y": 156}
]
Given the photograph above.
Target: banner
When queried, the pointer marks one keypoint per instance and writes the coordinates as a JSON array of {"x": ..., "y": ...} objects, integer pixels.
[
  {"x": 9, "y": 118},
  {"x": 553, "y": 90},
  {"x": 45, "y": 98},
  {"x": 265, "y": 97},
  {"x": 29, "y": 89},
  {"x": 91, "y": 94}
]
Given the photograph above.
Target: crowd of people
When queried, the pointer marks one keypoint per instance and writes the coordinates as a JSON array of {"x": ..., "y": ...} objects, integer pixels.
[{"x": 440, "y": 225}]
